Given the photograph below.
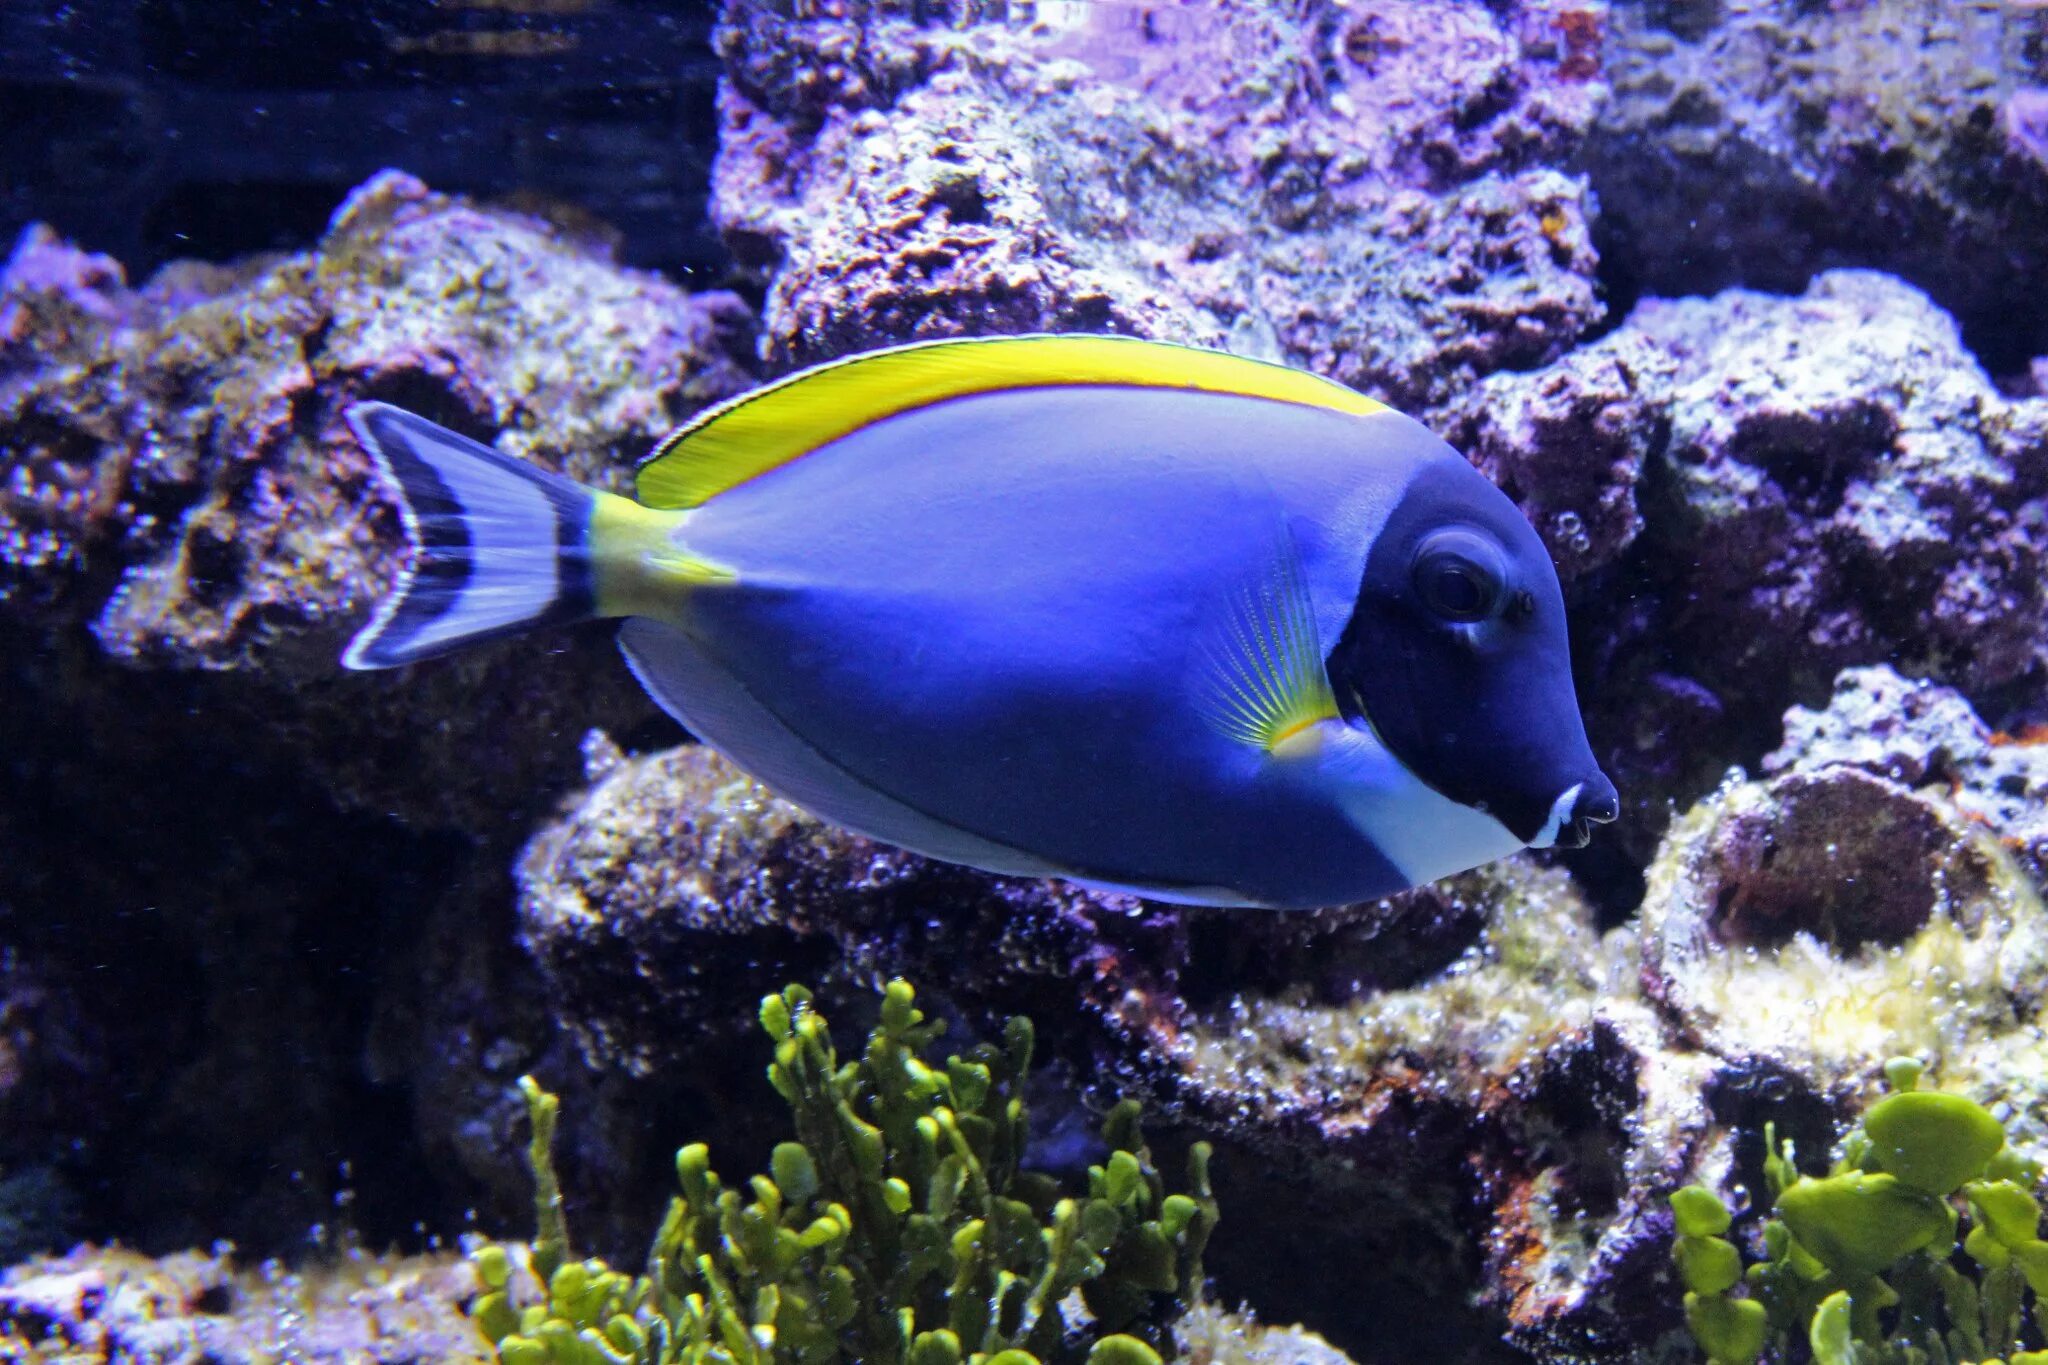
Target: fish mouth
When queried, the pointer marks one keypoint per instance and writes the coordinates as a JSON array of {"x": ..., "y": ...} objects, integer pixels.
[{"x": 1577, "y": 809}]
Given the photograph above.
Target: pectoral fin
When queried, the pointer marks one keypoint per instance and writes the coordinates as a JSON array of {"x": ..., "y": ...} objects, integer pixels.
[{"x": 1258, "y": 671}]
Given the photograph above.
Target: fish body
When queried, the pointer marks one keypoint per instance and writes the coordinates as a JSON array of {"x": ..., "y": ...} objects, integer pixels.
[{"x": 1047, "y": 606}]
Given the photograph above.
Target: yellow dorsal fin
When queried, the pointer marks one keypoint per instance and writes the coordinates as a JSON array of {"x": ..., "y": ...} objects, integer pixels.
[{"x": 780, "y": 422}]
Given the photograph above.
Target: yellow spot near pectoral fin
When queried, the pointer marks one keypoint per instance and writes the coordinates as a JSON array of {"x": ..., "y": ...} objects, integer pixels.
[
  {"x": 784, "y": 421},
  {"x": 1302, "y": 740},
  {"x": 1259, "y": 674}
]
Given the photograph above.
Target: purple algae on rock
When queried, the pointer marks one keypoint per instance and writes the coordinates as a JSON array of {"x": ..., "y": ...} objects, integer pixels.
[
  {"x": 1374, "y": 195},
  {"x": 1762, "y": 142}
]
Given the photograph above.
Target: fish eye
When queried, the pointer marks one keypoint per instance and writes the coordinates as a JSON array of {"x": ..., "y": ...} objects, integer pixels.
[{"x": 1459, "y": 575}]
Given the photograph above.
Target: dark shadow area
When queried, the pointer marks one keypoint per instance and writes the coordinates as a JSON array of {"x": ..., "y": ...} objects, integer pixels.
[
  {"x": 198, "y": 950},
  {"x": 1339, "y": 954},
  {"x": 1746, "y": 1095},
  {"x": 175, "y": 128},
  {"x": 1381, "y": 1277}
]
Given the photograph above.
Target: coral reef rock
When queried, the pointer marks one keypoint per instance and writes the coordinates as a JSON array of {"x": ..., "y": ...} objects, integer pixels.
[
  {"x": 96, "y": 1307},
  {"x": 1920, "y": 734},
  {"x": 1569, "y": 443},
  {"x": 177, "y": 469},
  {"x": 1208, "y": 1335},
  {"x": 677, "y": 891},
  {"x": 1500, "y": 1115},
  {"x": 1861, "y": 902},
  {"x": 1758, "y": 143},
  {"x": 1465, "y": 1070},
  {"x": 1469, "y": 1087},
  {"x": 1750, "y": 493},
  {"x": 229, "y": 863},
  {"x": 1375, "y": 194},
  {"x": 179, "y": 477}
]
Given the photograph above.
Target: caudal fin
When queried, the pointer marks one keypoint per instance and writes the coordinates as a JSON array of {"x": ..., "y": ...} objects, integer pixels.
[{"x": 499, "y": 546}]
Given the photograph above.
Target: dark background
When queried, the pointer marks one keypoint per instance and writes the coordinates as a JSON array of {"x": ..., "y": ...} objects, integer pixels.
[{"x": 155, "y": 129}]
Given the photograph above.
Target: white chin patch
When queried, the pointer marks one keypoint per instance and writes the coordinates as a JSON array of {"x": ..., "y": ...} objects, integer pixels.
[
  {"x": 1560, "y": 811},
  {"x": 1420, "y": 830}
]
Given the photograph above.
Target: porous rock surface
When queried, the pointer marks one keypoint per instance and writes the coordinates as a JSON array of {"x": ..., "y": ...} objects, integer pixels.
[
  {"x": 1468, "y": 1085},
  {"x": 1748, "y": 493},
  {"x": 1921, "y": 734},
  {"x": 1207, "y": 1335},
  {"x": 1463, "y": 1069},
  {"x": 97, "y": 1306},
  {"x": 176, "y": 466},
  {"x": 1760, "y": 142},
  {"x": 1875, "y": 894},
  {"x": 179, "y": 478},
  {"x": 1374, "y": 193}
]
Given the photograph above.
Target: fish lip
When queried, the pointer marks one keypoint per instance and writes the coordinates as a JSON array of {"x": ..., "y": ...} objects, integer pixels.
[
  {"x": 1603, "y": 810},
  {"x": 1572, "y": 815}
]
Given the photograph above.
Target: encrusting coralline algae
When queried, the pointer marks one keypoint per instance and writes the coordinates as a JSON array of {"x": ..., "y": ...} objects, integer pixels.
[
  {"x": 1373, "y": 195},
  {"x": 1761, "y": 141},
  {"x": 1800, "y": 534}
]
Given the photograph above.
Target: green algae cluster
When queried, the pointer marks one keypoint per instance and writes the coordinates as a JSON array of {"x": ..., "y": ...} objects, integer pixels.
[
  {"x": 897, "y": 1228},
  {"x": 1863, "y": 1265}
]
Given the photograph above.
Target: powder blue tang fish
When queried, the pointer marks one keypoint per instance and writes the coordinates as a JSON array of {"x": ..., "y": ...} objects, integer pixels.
[{"x": 1141, "y": 616}]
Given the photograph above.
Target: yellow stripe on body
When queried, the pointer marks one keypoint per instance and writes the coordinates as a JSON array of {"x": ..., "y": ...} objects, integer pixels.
[{"x": 759, "y": 431}]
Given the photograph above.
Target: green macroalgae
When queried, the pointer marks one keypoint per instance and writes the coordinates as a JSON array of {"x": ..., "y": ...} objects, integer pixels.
[
  {"x": 1861, "y": 1265},
  {"x": 897, "y": 1229}
]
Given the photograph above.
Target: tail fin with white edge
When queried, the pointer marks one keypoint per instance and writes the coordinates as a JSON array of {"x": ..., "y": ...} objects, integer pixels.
[{"x": 499, "y": 545}]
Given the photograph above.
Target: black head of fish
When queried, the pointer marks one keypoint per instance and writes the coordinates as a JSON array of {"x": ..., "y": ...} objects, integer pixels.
[{"x": 1456, "y": 656}]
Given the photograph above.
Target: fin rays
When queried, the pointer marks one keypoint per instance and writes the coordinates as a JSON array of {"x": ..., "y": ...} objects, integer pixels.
[
  {"x": 498, "y": 545},
  {"x": 1260, "y": 674}
]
